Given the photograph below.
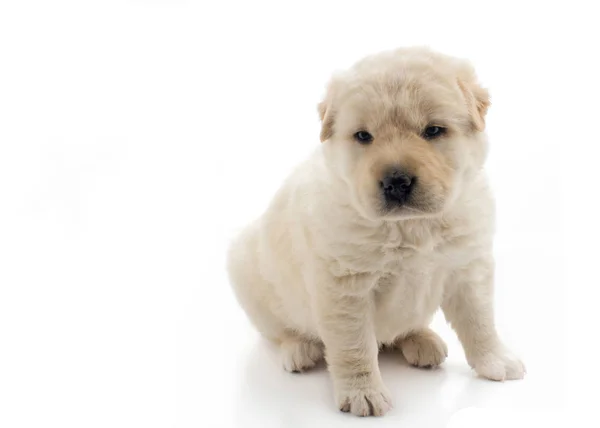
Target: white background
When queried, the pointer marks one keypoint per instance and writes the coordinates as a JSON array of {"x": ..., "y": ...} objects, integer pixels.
[{"x": 137, "y": 137}]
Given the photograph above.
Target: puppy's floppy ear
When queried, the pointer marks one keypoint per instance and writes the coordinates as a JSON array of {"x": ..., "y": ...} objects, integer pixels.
[
  {"x": 477, "y": 98},
  {"x": 326, "y": 120},
  {"x": 326, "y": 114}
]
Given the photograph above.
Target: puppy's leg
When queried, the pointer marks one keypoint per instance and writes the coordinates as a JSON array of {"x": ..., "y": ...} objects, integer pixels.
[
  {"x": 423, "y": 348},
  {"x": 254, "y": 294},
  {"x": 344, "y": 310},
  {"x": 468, "y": 307},
  {"x": 299, "y": 354}
]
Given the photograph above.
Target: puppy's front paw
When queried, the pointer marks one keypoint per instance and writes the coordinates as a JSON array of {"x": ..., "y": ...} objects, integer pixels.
[
  {"x": 424, "y": 349},
  {"x": 498, "y": 365},
  {"x": 372, "y": 400}
]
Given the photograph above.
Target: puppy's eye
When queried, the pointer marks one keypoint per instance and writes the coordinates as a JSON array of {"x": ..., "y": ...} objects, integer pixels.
[
  {"x": 363, "y": 137},
  {"x": 432, "y": 132}
]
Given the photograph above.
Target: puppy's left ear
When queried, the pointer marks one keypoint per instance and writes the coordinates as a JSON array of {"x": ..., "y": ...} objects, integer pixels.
[{"x": 478, "y": 100}]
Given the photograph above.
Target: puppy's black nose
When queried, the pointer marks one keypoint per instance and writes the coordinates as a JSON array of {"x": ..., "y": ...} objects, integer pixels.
[{"x": 396, "y": 186}]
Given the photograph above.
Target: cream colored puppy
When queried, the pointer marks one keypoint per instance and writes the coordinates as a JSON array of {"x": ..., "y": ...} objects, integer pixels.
[{"x": 390, "y": 219}]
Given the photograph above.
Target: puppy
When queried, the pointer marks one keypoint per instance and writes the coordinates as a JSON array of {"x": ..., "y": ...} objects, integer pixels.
[{"x": 390, "y": 219}]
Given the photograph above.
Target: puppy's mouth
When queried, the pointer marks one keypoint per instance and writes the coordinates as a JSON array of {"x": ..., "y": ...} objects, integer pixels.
[
  {"x": 400, "y": 209},
  {"x": 415, "y": 202},
  {"x": 407, "y": 211}
]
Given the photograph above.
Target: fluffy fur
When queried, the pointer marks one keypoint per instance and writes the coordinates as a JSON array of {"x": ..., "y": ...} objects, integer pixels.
[{"x": 331, "y": 270}]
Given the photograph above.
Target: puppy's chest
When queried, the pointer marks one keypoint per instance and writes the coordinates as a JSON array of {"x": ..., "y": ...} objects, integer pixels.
[
  {"x": 410, "y": 287},
  {"x": 399, "y": 250},
  {"x": 402, "y": 251},
  {"x": 407, "y": 301}
]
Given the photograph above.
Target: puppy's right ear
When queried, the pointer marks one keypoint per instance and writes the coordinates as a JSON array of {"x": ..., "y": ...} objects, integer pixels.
[{"x": 326, "y": 114}]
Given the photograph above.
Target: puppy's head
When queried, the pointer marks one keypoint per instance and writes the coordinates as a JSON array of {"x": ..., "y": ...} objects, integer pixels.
[{"x": 402, "y": 130}]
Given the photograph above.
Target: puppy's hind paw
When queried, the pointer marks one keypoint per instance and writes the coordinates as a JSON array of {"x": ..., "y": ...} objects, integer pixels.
[
  {"x": 424, "y": 349},
  {"x": 299, "y": 355}
]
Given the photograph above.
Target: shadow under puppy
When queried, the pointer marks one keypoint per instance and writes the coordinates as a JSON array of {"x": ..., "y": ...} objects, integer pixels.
[{"x": 389, "y": 219}]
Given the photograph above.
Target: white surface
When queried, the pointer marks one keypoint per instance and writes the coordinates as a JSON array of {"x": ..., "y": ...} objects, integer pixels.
[{"x": 136, "y": 137}]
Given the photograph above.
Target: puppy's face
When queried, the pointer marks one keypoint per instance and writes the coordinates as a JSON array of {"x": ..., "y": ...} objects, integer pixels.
[{"x": 401, "y": 129}]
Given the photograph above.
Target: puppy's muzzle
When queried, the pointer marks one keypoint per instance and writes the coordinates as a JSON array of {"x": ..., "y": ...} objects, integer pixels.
[{"x": 397, "y": 186}]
